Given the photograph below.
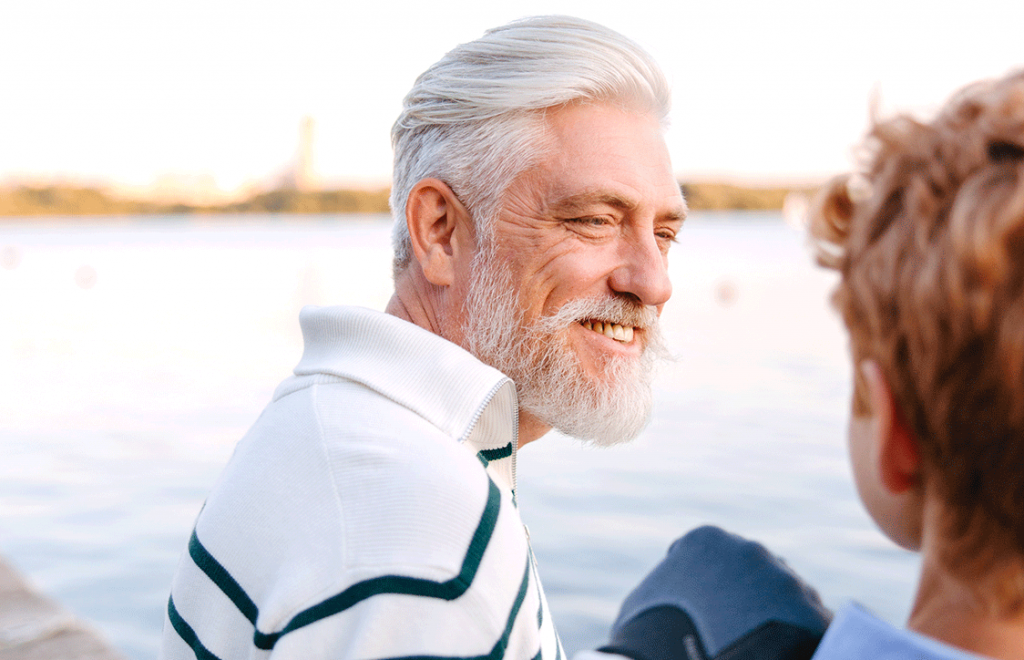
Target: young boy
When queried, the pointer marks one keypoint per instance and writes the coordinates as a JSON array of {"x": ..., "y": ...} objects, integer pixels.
[
  {"x": 928, "y": 241},
  {"x": 929, "y": 244}
]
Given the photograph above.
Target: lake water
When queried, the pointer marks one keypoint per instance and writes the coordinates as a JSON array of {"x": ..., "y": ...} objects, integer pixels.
[{"x": 135, "y": 353}]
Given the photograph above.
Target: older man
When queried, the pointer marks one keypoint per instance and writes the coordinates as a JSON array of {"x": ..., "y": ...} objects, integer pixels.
[{"x": 370, "y": 512}]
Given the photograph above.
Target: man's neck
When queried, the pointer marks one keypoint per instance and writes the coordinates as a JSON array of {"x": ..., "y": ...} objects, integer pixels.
[
  {"x": 530, "y": 428},
  {"x": 415, "y": 301},
  {"x": 397, "y": 308}
]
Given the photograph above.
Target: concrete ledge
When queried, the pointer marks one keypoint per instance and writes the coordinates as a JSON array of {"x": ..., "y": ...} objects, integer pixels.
[{"x": 33, "y": 627}]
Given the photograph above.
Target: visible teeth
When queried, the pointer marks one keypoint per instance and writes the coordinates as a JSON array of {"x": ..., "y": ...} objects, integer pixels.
[{"x": 621, "y": 333}]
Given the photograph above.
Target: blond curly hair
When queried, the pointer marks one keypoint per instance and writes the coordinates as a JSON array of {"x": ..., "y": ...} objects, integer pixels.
[{"x": 928, "y": 239}]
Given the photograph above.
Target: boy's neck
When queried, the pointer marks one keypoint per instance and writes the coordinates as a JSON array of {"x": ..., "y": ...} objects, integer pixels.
[{"x": 947, "y": 611}]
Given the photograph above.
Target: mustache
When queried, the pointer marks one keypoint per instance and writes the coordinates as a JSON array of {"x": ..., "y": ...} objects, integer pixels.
[{"x": 624, "y": 311}]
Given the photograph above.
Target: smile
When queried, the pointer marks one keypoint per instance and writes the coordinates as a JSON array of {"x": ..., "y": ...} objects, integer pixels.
[{"x": 619, "y": 333}]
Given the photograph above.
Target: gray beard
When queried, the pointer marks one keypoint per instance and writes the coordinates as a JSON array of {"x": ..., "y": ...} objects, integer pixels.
[{"x": 551, "y": 382}]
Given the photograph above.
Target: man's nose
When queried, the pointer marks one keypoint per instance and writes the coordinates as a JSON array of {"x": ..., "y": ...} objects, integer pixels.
[{"x": 643, "y": 271}]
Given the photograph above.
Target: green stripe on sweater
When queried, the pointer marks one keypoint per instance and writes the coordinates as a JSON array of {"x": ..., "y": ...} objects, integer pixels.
[
  {"x": 489, "y": 455},
  {"x": 498, "y": 651},
  {"x": 388, "y": 584},
  {"x": 187, "y": 634}
]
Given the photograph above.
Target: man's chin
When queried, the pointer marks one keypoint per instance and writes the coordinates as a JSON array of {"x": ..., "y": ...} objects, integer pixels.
[
  {"x": 600, "y": 412},
  {"x": 602, "y": 431}
]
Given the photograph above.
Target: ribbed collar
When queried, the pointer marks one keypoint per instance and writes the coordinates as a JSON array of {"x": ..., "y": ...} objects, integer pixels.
[{"x": 421, "y": 371}]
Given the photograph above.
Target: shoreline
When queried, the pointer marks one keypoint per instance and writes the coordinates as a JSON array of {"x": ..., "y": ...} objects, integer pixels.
[{"x": 69, "y": 200}]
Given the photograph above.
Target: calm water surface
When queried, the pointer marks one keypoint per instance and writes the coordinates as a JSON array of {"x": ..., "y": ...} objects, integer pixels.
[{"x": 136, "y": 353}]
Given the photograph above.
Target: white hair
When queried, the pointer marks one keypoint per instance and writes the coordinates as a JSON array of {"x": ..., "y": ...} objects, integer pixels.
[{"x": 475, "y": 118}]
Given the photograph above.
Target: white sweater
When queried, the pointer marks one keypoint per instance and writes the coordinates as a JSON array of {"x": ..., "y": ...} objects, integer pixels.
[{"x": 357, "y": 519}]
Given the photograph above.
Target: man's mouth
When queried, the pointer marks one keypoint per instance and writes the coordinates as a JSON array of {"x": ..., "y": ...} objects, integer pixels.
[{"x": 619, "y": 333}]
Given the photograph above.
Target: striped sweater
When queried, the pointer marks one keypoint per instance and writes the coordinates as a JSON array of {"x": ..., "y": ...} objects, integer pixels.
[{"x": 368, "y": 514}]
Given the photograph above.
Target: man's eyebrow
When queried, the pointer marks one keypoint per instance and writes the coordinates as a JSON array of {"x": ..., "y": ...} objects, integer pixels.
[
  {"x": 582, "y": 202},
  {"x": 677, "y": 215}
]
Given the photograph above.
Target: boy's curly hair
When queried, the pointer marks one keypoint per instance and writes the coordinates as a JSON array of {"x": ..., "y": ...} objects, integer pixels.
[{"x": 928, "y": 240}]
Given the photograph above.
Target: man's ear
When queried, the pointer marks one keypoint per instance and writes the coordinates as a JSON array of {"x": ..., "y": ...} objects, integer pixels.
[
  {"x": 894, "y": 447},
  {"x": 433, "y": 214}
]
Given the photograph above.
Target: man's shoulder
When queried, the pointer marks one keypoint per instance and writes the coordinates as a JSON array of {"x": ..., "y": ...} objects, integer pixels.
[
  {"x": 340, "y": 482},
  {"x": 342, "y": 431},
  {"x": 348, "y": 423},
  {"x": 339, "y": 463},
  {"x": 359, "y": 498},
  {"x": 292, "y": 519}
]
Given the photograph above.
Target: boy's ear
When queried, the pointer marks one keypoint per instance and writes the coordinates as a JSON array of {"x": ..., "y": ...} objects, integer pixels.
[
  {"x": 895, "y": 450},
  {"x": 433, "y": 213}
]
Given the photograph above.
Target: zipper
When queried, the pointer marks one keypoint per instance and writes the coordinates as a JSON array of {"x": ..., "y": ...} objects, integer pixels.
[
  {"x": 515, "y": 424},
  {"x": 515, "y": 443}
]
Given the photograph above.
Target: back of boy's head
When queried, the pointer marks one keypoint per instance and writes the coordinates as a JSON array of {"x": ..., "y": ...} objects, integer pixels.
[{"x": 929, "y": 242}]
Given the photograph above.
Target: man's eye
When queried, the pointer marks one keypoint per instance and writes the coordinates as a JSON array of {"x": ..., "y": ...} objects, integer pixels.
[
  {"x": 666, "y": 235},
  {"x": 591, "y": 221}
]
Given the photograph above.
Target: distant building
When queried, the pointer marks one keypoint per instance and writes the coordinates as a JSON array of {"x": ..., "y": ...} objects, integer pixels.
[
  {"x": 305, "y": 174},
  {"x": 300, "y": 174}
]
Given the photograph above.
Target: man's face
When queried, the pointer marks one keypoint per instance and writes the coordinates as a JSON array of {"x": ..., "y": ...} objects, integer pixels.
[{"x": 566, "y": 298}]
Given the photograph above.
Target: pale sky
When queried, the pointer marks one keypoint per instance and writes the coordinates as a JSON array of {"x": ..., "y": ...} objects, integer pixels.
[{"x": 128, "y": 90}]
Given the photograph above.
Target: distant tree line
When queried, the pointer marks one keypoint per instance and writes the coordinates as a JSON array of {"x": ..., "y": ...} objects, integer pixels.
[
  {"x": 68, "y": 200},
  {"x": 711, "y": 196},
  {"x": 319, "y": 201},
  {"x": 32, "y": 201}
]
